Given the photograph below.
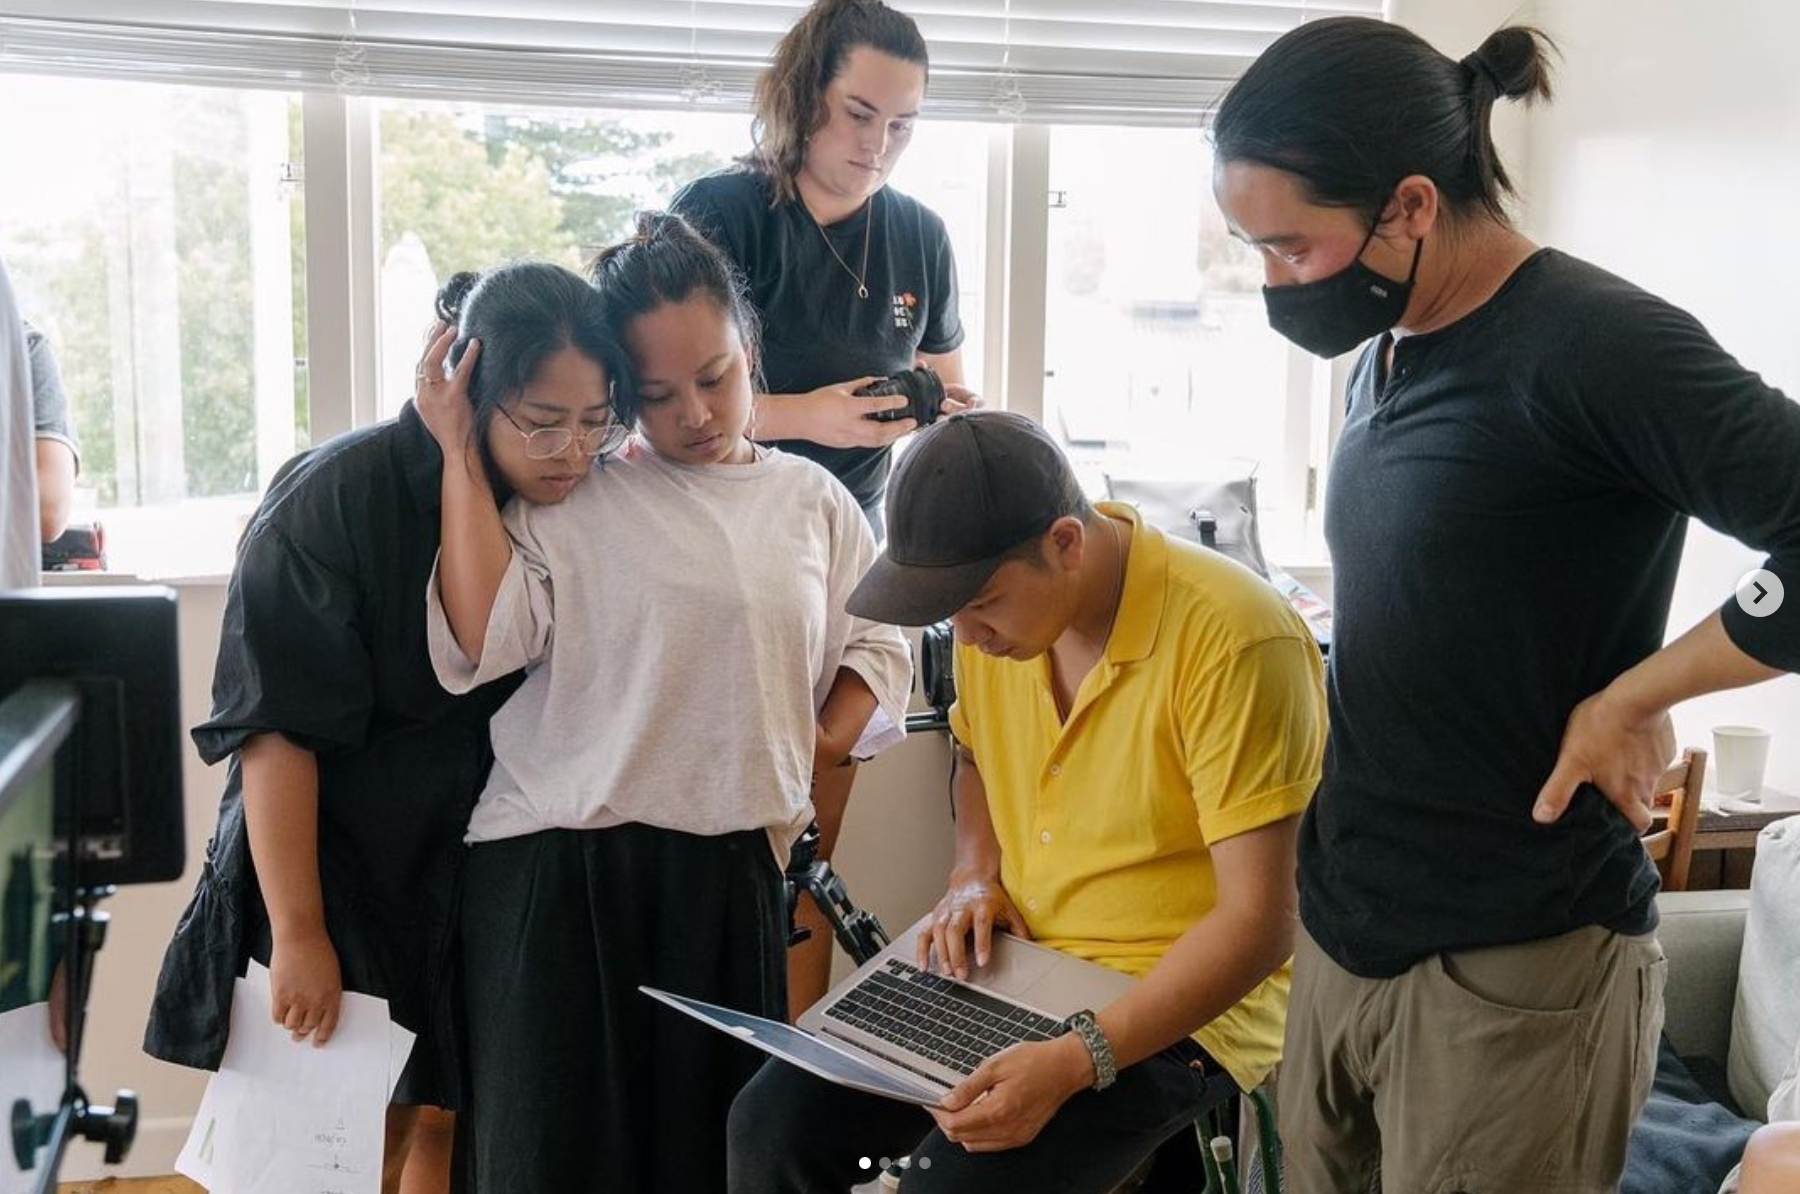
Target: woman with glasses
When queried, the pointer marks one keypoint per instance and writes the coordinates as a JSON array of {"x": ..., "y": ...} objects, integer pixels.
[
  {"x": 353, "y": 773},
  {"x": 690, "y": 668}
]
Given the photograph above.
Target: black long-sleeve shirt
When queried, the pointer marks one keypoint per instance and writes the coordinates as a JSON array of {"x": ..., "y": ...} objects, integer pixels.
[{"x": 1506, "y": 517}]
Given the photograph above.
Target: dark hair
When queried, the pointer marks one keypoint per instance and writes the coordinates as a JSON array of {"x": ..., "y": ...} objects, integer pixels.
[
  {"x": 667, "y": 261},
  {"x": 523, "y": 313},
  {"x": 1031, "y": 550},
  {"x": 1353, "y": 105},
  {"x": 790, "y": 92}
]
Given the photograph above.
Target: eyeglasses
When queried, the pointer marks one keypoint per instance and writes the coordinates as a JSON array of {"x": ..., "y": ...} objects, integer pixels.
[{"x": 547, "y": 443}]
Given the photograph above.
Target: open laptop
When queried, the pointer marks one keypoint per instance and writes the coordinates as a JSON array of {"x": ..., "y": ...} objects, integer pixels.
[{"x": 892, "y": 1030}]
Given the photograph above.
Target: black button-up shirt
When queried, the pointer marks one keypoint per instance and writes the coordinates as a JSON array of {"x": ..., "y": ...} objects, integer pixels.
[{"x": 324, "y": 643}]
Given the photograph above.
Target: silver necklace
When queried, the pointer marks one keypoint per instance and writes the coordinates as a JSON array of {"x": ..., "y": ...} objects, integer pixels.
[
  {"x": 862, "y": 289},
  {"x": 1119, "y": 584},
  {"x": 1117, "y": 599}
]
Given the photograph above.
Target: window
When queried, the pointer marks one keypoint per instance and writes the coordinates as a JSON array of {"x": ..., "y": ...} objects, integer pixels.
[
  {"x": 945, "y": 168},
  {"x": 465, "y": 186},
  {"x": 1159, "y": 361},
  {"x": 151, "y": 238},
  {"x": 159, "y": 239},
  {"x": 161, "y": 246}
]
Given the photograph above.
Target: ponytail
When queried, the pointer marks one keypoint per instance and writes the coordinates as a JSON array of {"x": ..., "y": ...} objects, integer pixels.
[{"x": 1352, "y": 105}]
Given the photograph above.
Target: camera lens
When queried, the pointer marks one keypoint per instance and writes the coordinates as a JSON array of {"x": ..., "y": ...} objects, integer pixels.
[{"x": 924, "y": 391}]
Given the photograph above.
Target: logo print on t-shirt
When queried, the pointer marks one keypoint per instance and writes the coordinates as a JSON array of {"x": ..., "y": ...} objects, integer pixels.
[{"x": 904, "y": 303}]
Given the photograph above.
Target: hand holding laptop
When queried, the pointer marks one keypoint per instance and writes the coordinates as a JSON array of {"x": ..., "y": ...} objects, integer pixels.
[{"x": 1009, "y": 1098}]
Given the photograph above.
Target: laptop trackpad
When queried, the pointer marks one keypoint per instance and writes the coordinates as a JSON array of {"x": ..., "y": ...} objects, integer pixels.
[
  {"x": 1070, "y": 989},
  {"x": 1011, "y": 970}
]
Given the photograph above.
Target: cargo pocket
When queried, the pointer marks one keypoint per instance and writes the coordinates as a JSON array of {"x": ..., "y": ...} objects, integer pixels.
[
  {"x": 1505, "y": 1078},
  {"x": 1652, "y": 978}
]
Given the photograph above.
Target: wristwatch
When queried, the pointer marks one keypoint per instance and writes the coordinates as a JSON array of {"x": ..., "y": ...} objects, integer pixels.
[{"x": 1106, "y": 1067}]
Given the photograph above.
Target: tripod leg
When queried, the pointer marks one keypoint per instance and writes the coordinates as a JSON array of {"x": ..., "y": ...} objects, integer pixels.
[
  {"x": 858, "y": 931},
  {"x": 809, "y": 963}
]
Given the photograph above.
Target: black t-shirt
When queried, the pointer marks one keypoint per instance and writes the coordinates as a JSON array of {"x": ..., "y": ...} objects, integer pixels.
[
  {"x": 324, "y": 642},
  {"x": 816, "y": 331},
  {"x": 1506, "y": 517}
]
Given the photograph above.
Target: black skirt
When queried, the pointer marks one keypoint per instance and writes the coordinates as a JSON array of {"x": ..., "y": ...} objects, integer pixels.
[{"x": 577, "y": 1081}]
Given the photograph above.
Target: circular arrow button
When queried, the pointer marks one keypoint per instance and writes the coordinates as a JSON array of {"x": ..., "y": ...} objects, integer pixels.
[{"x": 1759, "y": 592}]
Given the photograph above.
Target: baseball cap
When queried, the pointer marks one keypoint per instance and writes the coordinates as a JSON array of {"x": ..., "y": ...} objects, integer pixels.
[{"x": 970, "y": 489}]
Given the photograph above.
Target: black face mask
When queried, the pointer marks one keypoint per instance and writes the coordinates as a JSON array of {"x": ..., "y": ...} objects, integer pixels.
[{"x": 1335, "y": 314}]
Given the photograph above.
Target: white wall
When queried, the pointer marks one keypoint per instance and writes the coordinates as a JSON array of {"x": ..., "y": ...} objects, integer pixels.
[
  {"x": 1671, "y": 156},
  {"x": 1456, "y": 28}
]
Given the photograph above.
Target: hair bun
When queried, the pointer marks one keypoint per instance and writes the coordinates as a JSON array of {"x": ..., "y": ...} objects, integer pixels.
[
  {"x": 1514, "y": 63},
  {"x": 451, "y": 294},
  {"x": 662, "y": 231},
  {"x": 653, "y": 226}
]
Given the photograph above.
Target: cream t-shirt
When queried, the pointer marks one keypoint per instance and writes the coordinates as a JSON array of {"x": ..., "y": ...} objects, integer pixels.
[{"x": 680, "y": 626}]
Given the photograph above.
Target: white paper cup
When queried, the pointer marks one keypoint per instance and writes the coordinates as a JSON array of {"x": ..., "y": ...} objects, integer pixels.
[{"x": 1740, "y": 756}]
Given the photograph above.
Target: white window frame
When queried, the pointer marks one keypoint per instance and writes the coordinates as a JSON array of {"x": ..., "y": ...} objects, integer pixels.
[{"x": 343, "y": 274}]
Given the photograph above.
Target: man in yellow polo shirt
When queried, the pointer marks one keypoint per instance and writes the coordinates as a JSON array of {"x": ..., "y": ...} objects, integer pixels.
[{"x": 1140, "y": 723}]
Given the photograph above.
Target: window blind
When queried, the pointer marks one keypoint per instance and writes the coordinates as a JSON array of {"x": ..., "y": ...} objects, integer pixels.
[{"x": 1162, "y": 62}]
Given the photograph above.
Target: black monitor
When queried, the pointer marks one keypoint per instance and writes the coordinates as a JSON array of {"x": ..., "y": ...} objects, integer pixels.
[
  {"x": 90, "y": 797},
  {"x": 35, "y": 898},
  {"x": 34, "y": 723},
  {"x": 116, "y": 647}
]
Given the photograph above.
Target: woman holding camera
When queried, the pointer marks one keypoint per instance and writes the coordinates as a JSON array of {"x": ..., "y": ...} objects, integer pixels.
[{"x": 853, "y": 282}]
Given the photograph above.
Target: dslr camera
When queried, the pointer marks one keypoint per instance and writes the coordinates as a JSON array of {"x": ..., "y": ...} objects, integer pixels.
[{"x": 924, "y": 391}]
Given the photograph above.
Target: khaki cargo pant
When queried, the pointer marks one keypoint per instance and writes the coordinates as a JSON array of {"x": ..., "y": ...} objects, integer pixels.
[{"x": 1512, "y": 1070}]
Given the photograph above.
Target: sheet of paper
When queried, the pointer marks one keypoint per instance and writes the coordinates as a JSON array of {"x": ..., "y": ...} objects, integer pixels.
[
  {"x": 400, "y": 1047},
  {"x": 196, "y": 1158},
  {"x": 31, "y": 1069},
  {"x": 286, "y": 1117},
  {"x": 399, "y": 1040}
]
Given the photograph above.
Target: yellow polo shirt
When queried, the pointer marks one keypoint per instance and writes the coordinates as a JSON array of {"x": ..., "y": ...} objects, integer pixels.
[{"x": 1205, "y": 718}]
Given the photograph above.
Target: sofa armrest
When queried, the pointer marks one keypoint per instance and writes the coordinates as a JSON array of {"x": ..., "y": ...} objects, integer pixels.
[{"x": 1702, "y": 933}]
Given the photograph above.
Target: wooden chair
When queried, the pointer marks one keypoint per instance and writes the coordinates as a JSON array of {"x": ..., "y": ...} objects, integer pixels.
[{"x": 1672, "y": 846}]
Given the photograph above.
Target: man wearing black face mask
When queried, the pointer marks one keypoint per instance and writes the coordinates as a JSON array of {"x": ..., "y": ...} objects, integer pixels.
[
  {"x": 1330, "y": 316},
  {"x": 1478, "y": 986}
]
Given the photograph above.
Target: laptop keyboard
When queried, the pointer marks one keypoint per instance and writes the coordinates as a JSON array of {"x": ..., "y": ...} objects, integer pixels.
[{"x": 938, "y": 1018}]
